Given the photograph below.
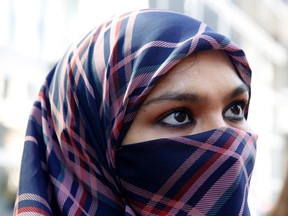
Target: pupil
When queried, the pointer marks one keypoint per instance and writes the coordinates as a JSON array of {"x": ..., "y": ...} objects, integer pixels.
[
  {"x": 236, "y": 110},
  {"x": 180, "y": 116}
]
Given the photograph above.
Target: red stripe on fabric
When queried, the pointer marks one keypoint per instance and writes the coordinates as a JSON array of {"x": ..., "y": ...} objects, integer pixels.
[
  {"x": 81, "y": 203},
  {"x": 41, "y": 95},
  {"x": 197, "y": 175},
  {"x": 114, "y": 60},
  {"x": 31, "y": 210},
  {"x": 148, "y": 209},
  {"x": 152, "y": 210}
]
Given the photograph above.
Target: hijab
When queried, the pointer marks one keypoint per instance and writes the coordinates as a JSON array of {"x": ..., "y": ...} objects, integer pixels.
[{"x": 89, "y": 100}]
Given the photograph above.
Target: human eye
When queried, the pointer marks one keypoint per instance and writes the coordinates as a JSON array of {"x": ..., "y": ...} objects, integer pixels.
[
  {"x": 235, "y": 111},
  {"x": 176, "y": 118}
]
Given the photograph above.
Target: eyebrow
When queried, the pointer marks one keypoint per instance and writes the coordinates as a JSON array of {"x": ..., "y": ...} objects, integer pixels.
[
  {"x": 243, "y": 88},
  {"x": 193, "y": 98}
]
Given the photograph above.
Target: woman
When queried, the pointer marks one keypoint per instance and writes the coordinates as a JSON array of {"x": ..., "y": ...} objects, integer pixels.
[{"x": 146, "y": 115}]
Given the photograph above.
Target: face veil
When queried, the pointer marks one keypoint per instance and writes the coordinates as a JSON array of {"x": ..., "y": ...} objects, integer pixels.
[
  {"x": 89, "y": 100},
  {"x": 201, "y": 174}
]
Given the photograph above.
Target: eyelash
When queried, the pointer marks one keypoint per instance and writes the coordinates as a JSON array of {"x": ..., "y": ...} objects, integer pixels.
[{"x": 183, "y": 110}]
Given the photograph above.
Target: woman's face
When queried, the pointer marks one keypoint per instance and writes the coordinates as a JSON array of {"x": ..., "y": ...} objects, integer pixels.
[{"x": 200, "y": 93}]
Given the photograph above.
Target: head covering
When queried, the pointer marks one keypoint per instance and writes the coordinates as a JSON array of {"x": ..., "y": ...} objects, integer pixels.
[{"x": 88, "y": 102}]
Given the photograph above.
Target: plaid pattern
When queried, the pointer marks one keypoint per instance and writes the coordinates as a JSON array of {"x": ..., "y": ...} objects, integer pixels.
[
  {"x": 201, "y": 174},
  {"x": 88, "y": 102}
]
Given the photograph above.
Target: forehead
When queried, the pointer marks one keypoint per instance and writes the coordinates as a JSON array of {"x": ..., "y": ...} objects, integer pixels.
[{"x": 205, "y": 63}]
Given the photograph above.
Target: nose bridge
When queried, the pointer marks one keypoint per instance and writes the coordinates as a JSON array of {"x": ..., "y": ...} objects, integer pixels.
[{"x": 211, "y": 121}]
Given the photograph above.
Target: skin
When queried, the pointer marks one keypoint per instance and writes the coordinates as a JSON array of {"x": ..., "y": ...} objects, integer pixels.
[{"x": 200, "y": 93}]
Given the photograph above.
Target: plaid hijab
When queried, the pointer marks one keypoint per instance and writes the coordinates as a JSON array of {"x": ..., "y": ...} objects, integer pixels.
[{"x": 88, "y": 102}]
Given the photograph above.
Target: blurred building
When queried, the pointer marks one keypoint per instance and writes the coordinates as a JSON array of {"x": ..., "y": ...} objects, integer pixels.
[{"x": 35, "y": 33}]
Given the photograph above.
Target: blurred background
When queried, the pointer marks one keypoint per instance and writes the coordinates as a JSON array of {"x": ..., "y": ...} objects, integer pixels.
[{"x": 35, "y": 33}]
